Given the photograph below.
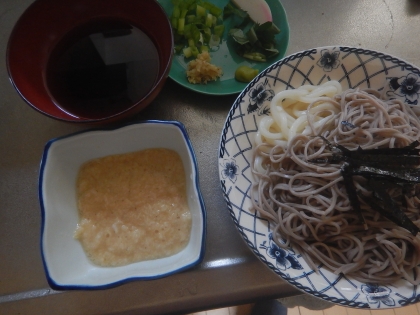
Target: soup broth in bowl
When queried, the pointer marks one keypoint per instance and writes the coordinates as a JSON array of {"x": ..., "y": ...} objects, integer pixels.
[
  {"x": 102, "y": 68},
  {"x": 90, "y": 62}
]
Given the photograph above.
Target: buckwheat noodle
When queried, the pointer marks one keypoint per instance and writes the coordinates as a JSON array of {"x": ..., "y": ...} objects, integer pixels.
[{"x": 307, "y": 202}]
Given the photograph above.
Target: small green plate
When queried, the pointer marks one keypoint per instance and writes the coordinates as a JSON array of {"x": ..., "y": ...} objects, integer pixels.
[{"x": 226, "y": 57}]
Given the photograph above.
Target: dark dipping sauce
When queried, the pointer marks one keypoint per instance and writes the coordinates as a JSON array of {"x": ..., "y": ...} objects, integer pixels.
[{"x": 102, "y": 68}]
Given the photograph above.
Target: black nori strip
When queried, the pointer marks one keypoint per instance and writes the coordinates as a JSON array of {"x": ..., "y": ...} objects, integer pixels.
[
  {"x": 334, "y": 159},
  {"x": 351, "y": 192},
  {"x": 348, "y": 124},
  {"x": 384, "y": 204},
  {"x": 320, "y": 161},
  {"x": 405, "y": 175},
  {"x": 408, "y": 150},
  {"x": 407, "y": 156},
  {"x": 385, "y": 168},
  {"x": 386, "y": 160}
]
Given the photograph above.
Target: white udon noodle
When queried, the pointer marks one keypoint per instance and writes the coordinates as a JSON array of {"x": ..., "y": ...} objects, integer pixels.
[{"x": 308, "y": 203}]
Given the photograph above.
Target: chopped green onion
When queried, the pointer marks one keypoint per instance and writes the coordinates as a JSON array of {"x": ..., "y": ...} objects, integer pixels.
[
  {"x": 177, "y": 12},
  {"x": 190, "y": 18},
  {"x": 209, "y": 20},
  {"x": 196, "y": 34},
  {"x": 184, "y": 13},
  {"x": 212, "y": 8},
  {"x": 187, "y": 31},
  {"x": 201, "y": 11},
  {"x": 206, "y": 34},
  {"x": 181, "y": 24},
  {"x": 219, "y": 29},
  {"x": 196, "y": 24},
  {"x": 194, "y": 51},
  {"x": 187, "y": 51}
]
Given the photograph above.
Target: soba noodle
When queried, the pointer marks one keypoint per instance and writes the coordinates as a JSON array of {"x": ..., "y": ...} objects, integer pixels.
[{"x": 307, "y": 202}]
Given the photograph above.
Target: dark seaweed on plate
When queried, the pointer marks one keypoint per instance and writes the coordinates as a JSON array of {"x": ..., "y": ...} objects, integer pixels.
[{"x": 384, "y": 169}]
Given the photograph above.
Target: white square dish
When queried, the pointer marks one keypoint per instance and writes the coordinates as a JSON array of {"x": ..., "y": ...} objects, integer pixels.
[{"x": 65, "y": 262}]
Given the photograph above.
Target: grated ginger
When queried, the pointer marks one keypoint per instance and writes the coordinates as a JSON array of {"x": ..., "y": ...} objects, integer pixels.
[{"x": 200, "y": 70}]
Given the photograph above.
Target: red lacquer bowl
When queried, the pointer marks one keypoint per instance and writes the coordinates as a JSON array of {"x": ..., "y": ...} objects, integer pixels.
[{"x": 44, "y": 25}]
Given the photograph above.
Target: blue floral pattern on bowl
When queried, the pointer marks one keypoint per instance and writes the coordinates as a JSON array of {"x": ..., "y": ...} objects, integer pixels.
[
  {"x": 329, "y": 60},
  {"x": 285, "y": 258},
  {"x": 229, "y": 170},
  {"x": 407, "y": 87},
  {"x": 353, "y": 68},
  {"x": 378, "y": 294},
  {"x": 259, "y": 98}
]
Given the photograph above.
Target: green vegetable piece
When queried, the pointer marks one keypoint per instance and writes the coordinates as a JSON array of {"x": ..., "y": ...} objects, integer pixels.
[
  {"x": 204, "y": 48},
  {"x": 196, "y": 23},
  {"x": 187, "y": 31},
  {"x": 245, "y": 74},
  {"x": 213, "y": 9},
  {"x": 255, "y": 56},
  {"x": 184, "y": 13},
  {"x": 214, "y": 19},
  {"x": 196, "y": 34},
  {"x": 190, "y": 18},
  {"x": 271, "y": 52},
  {"x": 239, "y": 36},
  {"x": 177, "y": 12},
  {"x": 274, "y": 28},
  {"x": 253, "y": 41},
  {"x": 200, "y": 11},
  {"x": 219, "y": 29},
  {"x": 252, "y": 36},
  {"x": 209, "y": 20},
  {"x": 181, "y": 25},
  {"x": 187, "y": 51},
  {"x": 194, "y": 51},
  {"x": 206, "y": 35}
]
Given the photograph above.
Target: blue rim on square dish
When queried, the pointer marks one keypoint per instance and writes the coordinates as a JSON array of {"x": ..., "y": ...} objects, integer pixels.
[{"x": 143, "y": 272}]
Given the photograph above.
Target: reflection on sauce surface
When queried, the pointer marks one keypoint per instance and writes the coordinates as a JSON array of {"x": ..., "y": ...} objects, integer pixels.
[
  {"x": 133, "y": 207},
  {"x": 102, "y": 68}
]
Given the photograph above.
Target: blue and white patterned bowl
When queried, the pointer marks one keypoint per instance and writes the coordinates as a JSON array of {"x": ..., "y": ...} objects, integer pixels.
[
  {"x": 66, "y": 264},
  {"x": 353, "y": 68}
]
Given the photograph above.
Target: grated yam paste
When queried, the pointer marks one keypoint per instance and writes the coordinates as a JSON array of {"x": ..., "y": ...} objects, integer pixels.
[{"x": 133, "y": 207}]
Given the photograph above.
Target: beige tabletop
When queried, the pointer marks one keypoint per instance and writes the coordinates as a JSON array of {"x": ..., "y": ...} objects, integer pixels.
[{"x": 230, "y": 274}]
